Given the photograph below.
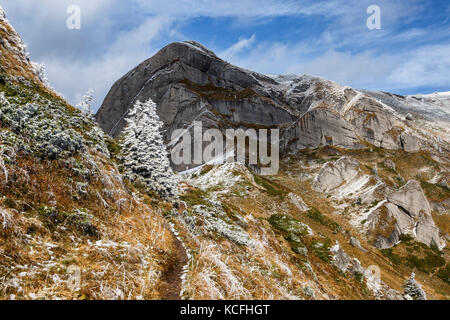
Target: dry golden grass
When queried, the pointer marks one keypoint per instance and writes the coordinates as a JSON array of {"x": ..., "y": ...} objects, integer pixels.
[{"x": 127, "y": 260}]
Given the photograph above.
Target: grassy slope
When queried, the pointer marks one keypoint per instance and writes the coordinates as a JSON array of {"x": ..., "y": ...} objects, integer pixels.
[
  {"x": 69, "y": 226},
  {"x": 276, "y": 262}
]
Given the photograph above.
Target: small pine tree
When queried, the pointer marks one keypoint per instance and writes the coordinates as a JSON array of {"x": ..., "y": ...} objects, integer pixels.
[
  {"x": 145, "y": 158},
  {"x": 86, "y": 102},
  {"x": 413, "y": 289},
  {"x": 39, "y": 70}
]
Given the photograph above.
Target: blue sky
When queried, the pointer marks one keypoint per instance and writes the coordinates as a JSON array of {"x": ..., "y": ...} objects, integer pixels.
[{"x": 410, "y": 54}]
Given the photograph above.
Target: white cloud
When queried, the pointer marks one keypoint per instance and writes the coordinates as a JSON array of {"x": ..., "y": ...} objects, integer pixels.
[
  {"x": 427, "y": 66},
  {"x": 424, "y": 66},
  {"x": 249, "y": 8},
  {"x": 342, "y": 49},
  {"x": 131, "y": 48},
  {"x": 93, "y": 57},
  {"x": 236, "y": 48}
]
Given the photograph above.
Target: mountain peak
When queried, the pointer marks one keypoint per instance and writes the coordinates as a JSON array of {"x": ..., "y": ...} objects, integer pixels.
[{"x": 199, "y": 46}]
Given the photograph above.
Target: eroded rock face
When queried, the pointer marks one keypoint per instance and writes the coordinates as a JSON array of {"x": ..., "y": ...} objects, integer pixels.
[
  {"x": 189, "y": 82},
  {"x": 408, "y": 212},
  {"x": 320, "y": 127},
  {"x": 333, "y": 174},
  {"x": 410, "y": 197},
  {"x": 344, "y": 262}
]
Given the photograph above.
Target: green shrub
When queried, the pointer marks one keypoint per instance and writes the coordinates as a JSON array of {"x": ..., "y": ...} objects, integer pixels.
[
  {"x": 427, "y": 264},
  {"x": 196, "y": 197},
  {"x": 444, "y": 274},
  {"x": 271, "y": 187},
  {"x": 434, "y": 191},
  {"x": 324, "y": 220},
  {"x": 359, "y": 276},
  {"x": 322, "y": 250},
  {"x": 394, "y": 258},
  {"x": 296, "y": 244},
  {"x": 78, "y": 219},
  {"x": 406, "y": 238},
  {"x": 288, "y": 224}
]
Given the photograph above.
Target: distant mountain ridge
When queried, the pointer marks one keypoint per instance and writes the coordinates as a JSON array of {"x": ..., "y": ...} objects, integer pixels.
[{"x": 190, "y": 83}]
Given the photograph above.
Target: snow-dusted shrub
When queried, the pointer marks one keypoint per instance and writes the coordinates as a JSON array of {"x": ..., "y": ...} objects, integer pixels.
[
  {"x": 145, "y": 158},
  {"x": 79, "y": 219},
  {"x": 48, "y": 128},
  {"x": 217, "y": 221},
  {"x": 39, "y": 71}
]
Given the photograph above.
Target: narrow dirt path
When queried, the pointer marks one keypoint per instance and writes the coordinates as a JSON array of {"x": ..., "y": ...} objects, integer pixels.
[{"x": 171, "y": 287}]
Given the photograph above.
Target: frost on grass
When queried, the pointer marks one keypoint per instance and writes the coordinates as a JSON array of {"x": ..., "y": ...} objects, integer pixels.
[
  {"x": 45, "y": 128},
  {"x": 217, "y": 221},
  {"x": 213, "y": 276},
  {"x": 7, "y": 220},
  {"x": 222, "y": 179}
]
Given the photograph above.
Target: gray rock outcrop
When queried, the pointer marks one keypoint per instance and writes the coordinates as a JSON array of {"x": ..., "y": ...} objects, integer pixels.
[
  {"x": 344, "y": 262},
  {"x": 333, "y": 174},
  {"x": 408, "y": 212},
  {"x": 357, "y": 244},
  {"x": 189, "y": 82}
]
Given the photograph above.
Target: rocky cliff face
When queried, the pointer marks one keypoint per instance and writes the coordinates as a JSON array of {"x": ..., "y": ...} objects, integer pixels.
[{"x": 190, "y": 83}]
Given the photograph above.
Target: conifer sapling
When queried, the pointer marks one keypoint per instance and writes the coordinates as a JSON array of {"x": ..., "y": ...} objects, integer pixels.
[{"x": 145, "y": 157}]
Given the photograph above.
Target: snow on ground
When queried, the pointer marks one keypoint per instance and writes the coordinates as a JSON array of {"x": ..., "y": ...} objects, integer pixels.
[
  {"x": 227, "y": 176},
  {"x": 357, "y": 219},
  {"x": 352, "y": 102},
  {"x": 351, "y": 187}
]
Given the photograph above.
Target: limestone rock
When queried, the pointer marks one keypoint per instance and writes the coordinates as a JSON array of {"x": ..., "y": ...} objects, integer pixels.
[
  {"x": 409, "y": 143},
  {"x": 333, "y": 174},
  {"x": 357, "y": 244},
  {"x": 411, "y": 198},
  {"x": 319, "y": 127},
  {"x": 189, "y": 82},
  {"x": 298, "y": 202},
  {"x": 406, "y": 211},
  {"x": 344, "y": 262},
  {"x": 376, "y": 193}
]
